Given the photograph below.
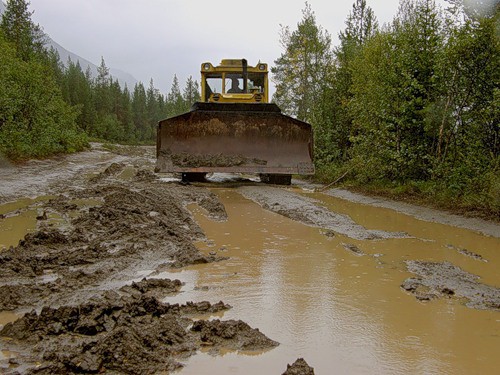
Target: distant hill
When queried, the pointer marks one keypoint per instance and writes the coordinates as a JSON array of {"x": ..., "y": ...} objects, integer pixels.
[
  {"x": 64, "y": 54},
  {"x": 122, "y": 77}
]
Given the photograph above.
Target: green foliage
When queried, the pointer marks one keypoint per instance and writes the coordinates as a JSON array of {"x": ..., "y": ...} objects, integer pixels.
[
  {"x": 18, "y": 28},
  {"x": 47, "y": 108},
  {"x": 300, "y": 73},
  {"x": 395, "y": 81},
  {"x": 333, "y": 122},
  {"x": 410, "y": 109},
  {"x": 191, "y": 93},
  {"x": 34, "y": 119}
]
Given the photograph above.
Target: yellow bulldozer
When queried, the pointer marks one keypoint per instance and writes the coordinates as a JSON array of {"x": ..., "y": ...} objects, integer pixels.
[{"x": 234, "y": 129}]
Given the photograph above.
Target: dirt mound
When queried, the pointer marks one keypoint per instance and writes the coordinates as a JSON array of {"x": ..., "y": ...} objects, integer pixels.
[
  {"x": 443, "y": 279},
  {"x": 144, "y": 175},
  {"x": 137, "y": 226},
  {"x": 234, "y": 334},
  {"x": 150, "y": 286},
  {"x": 113, "y": 170},
  {"x": 120, "y": 334},
  {"x": 299, "y": 367}
]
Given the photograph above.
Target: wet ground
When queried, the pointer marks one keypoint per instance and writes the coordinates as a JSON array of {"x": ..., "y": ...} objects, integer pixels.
[{"x": 123, "y": 271}]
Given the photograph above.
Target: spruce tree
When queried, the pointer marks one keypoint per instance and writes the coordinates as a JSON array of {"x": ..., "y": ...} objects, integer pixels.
[
  {"x": 27, "y": 38},
  {"x": 301, "y": 72}
]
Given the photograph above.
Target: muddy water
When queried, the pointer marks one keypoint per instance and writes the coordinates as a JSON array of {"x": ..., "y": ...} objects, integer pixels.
[
  {"x": 342, "y": 311},
  {"x": 18, "y": 218},
  {"x": 7, "y": 317}
]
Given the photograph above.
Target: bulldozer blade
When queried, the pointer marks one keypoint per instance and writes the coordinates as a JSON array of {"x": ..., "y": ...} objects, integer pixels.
[{"x": 235, "y": 137}]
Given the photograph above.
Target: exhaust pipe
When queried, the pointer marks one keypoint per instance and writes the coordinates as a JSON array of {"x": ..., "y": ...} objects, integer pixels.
[{"x": 244, "y": 64}]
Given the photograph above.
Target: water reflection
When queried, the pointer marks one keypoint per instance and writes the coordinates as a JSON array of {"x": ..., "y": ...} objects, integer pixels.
[{"x": 338, "y": 310}]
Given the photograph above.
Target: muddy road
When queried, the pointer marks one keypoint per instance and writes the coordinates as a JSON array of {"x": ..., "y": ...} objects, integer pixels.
[{"x": 106, "y": 267}]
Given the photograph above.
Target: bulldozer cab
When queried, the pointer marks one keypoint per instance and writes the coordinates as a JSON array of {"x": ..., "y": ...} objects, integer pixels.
[{"x": 233, "y": 81}]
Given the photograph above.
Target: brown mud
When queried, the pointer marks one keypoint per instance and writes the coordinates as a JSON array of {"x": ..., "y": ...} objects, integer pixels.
[
  {"x": 219, "y": 160},
  {"x": 299, "y": 367},
  {"x": 308, "y": 211},
  {"x": 135, "y": 334},
  {"x": 139, "y": 225},
  {"x": 76, "y": 281},
  {"x": 74, "y": 276},
  {"x": 445, "y": 280}
]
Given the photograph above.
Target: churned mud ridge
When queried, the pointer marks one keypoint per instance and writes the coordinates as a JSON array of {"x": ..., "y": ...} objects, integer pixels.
[
  {"x": 85, "y": 264},
  {"x": 232, "y": 334},
  {"x": 310, "y": 212},
  {"x": 116, "y": 334},
  {"x": 299, "y": 367},
  {"x": 443, "y": 279},
  {"x": 140, "y": 224},
  {"x": 43, "y": 177},
  {"x": 152, "y": 287}
]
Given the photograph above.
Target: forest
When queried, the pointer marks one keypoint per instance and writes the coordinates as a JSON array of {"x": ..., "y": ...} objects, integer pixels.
[
  {"x": 407, "y": 109},
  {"x": 47, "y": 107}
]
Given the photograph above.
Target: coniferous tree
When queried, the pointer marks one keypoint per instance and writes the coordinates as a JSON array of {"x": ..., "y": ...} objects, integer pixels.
[
  {"x": 301, "y": 72},
  {"x": 191, "y": 93},
  {"x": 175, "y": 101},
  {"x": 139, "y": 110},
  {"x": 334, "y": 121},
  {"x": 27, "y": 38},
  {"x": 34, "y": 119},
  {"x": 127, "y": 117},
  {"x": 153, "y": 103}
]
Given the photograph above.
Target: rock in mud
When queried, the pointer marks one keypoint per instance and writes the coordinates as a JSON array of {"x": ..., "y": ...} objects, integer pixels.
[
  {"x": 156, "y": 287},
  {"x": 443, "y": 279},
  {"x": 231, "y": 334},
  {"x": 299, "y": 367},
  {"x": 353, "y": 249},
  {"x": 468, "y": 253}
]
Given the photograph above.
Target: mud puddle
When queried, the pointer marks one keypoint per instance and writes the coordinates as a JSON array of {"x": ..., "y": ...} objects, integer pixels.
[
  {"x": 422, "y": 213},
  {"x": 124, "y": 271},
  {"x": 70, "y": 279},
  {"x": 337, "y": 301}
]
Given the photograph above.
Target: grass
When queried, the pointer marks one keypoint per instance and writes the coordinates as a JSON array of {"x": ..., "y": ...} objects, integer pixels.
[{"x": 481, "y": 200}]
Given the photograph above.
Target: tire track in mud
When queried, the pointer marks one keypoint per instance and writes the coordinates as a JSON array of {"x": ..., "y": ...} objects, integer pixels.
[
  {"x": 485, "y": 227},
  {"x": 42, "y": 177},
  {"x": 310, "y": 212},
  {"x": 75, "y": 277}
]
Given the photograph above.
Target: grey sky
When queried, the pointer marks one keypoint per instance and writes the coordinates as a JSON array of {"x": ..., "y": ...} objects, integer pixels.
[{"x": 159, "y": 38}]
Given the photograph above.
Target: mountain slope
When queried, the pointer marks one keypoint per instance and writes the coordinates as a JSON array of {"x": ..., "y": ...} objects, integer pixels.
[
  {"x": 64, "y": 54},
  {"x": 122, "y": 77}
]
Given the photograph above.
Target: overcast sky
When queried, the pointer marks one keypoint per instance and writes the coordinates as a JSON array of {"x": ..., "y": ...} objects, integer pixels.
[{"x": 159, "y": 38}]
